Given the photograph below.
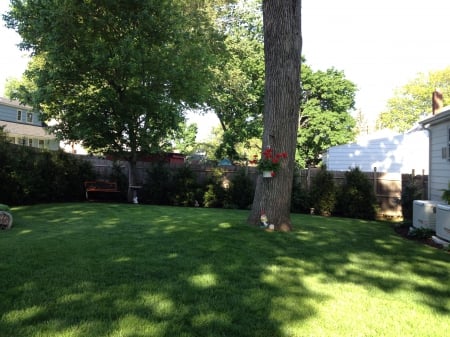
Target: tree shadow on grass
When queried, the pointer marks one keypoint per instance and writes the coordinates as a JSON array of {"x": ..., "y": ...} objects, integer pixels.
[
  {"x": 94, "y": 272},
  {"x": 128, "y": 270},
  {"x": 372, "y": 254}
]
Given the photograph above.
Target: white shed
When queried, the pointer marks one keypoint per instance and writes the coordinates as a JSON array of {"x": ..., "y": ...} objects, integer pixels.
[{"x": 384, "y": 151}]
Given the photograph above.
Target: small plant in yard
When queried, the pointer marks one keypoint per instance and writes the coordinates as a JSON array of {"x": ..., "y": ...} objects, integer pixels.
[
  {"x": 420, "y": 233},
  {"x": 446, "y": 194},
  {"x": 269, "y": 161}
]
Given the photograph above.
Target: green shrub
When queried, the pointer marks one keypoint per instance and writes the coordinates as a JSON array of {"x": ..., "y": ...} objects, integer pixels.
[
  {"x": 29, "y": 175},
  {"x": 420, "y": 233},
  {"x": 323, "y": 193},
  {"x": 410, "y": 192},
  {"x": 185, "y": 187},
  {"x": 241, "y": 191},
  {"x": 158, "y": 185},
  {"x": 356, "y": 196},
  {"x": 215, "y": 194},
  {"x": 300, "y": 196}
]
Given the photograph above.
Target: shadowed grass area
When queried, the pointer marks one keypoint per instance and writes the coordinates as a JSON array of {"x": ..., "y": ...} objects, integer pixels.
[{"x": 113, "y": 270}]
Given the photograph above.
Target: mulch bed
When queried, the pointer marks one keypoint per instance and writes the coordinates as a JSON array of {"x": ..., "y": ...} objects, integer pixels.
[{"x": 403, "y": 232}]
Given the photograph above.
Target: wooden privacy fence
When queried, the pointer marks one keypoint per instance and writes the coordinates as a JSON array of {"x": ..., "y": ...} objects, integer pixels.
[{"x": 387, "y": 186}]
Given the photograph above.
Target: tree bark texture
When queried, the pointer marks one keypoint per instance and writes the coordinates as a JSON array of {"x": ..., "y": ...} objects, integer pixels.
[{"x": 282, "y": 51}]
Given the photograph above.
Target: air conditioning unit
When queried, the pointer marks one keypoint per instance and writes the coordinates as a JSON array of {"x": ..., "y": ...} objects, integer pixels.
[
  {"x": 424, "y": 214},
  {"x": 443, "y": 221}
]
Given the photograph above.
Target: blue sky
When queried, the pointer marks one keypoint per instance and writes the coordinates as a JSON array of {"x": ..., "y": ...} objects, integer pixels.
[{"x": 380, "y": 45}]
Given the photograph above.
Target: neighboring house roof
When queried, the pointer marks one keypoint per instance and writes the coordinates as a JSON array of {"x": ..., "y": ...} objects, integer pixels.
[
  {"x": 14, "y": 103},
  {"x": 26, "y": 130},
  {"x": 443, "y": 116}
]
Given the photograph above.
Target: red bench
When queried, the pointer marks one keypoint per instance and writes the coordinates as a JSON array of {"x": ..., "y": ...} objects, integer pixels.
[{"x": 100, "y": 186}]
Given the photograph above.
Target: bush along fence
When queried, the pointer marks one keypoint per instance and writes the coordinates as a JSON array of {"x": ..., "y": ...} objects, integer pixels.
[
  {"x": 394, "y": 192},
  {"x": 60, "y": 177},
  {"x": 352, "y": 193}
]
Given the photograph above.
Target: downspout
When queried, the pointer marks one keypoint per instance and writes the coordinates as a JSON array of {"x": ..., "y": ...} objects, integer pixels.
[{"x": 425, "y": 127}]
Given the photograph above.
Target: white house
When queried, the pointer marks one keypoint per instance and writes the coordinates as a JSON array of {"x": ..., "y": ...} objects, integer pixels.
[
  {"x": 384, "y": 151},
  {"x": 438, "y": 127}
]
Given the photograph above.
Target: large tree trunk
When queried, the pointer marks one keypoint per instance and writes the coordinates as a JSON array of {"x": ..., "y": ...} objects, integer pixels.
[{"x": 282, "y": 49}]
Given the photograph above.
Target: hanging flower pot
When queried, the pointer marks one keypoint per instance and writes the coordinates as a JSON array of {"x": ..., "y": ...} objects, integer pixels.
[
  {"x": 268, "y": 174},
  {"x": 269, "y": 163}
]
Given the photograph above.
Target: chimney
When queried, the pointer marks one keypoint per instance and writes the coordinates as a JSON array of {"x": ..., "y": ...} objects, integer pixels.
[{"x": 437, "y": 101}]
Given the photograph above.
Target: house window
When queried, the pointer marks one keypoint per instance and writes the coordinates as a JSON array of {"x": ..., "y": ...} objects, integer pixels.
[
  {"x": 30, "y": 142},
  {"x": 41, "y": 144},
  {"x": 29, "y": 117},
  {"x": 19, "y": 115}
]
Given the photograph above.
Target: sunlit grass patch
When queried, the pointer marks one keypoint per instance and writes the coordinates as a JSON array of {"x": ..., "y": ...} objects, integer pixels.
[{"x": 107, "y": 270}]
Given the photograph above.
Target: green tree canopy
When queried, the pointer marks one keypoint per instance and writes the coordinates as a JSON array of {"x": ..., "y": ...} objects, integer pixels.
[
  {"x": 238, "y": 88},
  {"x": 325, "y": 119},
  {"x": 116, "y": 74},
  {"x": 413, "y": 101},
  {"x": 238, "y": 94}
]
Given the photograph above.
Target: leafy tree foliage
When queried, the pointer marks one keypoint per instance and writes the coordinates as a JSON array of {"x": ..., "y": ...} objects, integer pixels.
[
  {"x": 185, "y": 138},
  {"x": 412, "y": 101},
  {"x": 325, "y": 118},
  {"x": 238, "y": 88},
  {"x": 239, "y": 93},
  {"x": 116, "y": 74}
]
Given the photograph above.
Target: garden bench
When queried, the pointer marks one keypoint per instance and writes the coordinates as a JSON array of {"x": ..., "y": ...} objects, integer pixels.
[{"x": 100, "y": 187}]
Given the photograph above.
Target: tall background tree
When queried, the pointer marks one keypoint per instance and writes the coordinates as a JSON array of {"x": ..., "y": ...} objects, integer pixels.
[
  {"x": 238, "y": 89},
  {"x": 412, "y": 101},
  {"x": 282, "y": 55},
  {"x": 116, "y": 75},
  {"x": 238, "y": 95},
  {"x": 325, "y": 117}
]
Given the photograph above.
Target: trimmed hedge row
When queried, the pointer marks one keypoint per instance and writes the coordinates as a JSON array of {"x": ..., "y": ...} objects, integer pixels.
[{"x": 29, "y": 176}]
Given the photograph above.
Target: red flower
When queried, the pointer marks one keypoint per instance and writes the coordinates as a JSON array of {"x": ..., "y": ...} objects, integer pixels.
[{"x": 269, "y": 161}]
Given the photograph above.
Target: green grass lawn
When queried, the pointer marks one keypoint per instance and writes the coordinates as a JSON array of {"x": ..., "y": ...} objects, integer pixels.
[{"x": 97, "y": 270}]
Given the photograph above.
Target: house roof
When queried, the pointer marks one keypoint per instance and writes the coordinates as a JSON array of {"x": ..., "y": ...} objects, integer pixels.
[
  {"x": 437, "y": 118},
  {"x": 13, "y": 103},
  {"x": 26, "y": 130}
]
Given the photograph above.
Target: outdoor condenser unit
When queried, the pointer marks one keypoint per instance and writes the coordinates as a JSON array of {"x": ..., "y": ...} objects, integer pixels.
[
  {"x": 424, "y": 214},
  {"x": 443, "y": 222}
]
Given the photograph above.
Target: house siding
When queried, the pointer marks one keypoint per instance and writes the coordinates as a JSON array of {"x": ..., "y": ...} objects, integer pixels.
[
  {"x": 28, "y": 130},
  {"x": 440, "y": 171},
  {"x": 439, "y": 176},
  {"x": 398, "y": 153},
  {"x": 9, "y": 109}
]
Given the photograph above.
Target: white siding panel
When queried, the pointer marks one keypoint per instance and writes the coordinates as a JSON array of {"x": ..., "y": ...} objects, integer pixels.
[
  {"x": 440, "y": 167},
  {"x": 393, "y": 154}
]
